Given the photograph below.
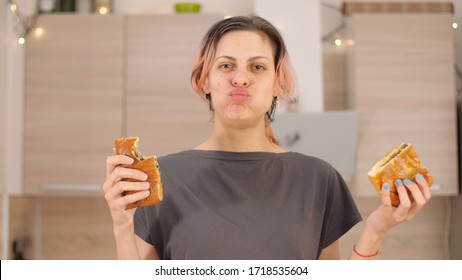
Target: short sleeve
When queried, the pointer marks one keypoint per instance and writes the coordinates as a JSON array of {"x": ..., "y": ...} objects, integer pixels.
[
  {"x": 141, "y": 225},
  {"x": 341, "y": 212}
]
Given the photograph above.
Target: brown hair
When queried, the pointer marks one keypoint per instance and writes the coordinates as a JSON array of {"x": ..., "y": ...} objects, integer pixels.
[{"x": 285, "y": 82}]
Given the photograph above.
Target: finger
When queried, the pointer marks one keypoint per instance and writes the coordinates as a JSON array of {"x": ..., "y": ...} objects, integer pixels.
[
  {"x": 121, "y": 187},
  {"x": 416, "y": 192},
  {"x": 134, "y": 197},
  {"x": 423, "y": 185},
  {"x": 120, "y": 203},
  {"x": 133, "y": 186},
  {"x": 124, "y": 186},
  {"x": 385, "y": 194},
  {"x": 129, "y": 173},
  {"x": 417, "y": 197},
  {"x": 113, "y": 161},
  {"x": 404, "y": 201},
  {"x": 120, "y": 173}
]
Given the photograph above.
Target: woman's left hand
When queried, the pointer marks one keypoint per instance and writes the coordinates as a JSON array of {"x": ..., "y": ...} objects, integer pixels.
[{"x": 388, "y": 216}]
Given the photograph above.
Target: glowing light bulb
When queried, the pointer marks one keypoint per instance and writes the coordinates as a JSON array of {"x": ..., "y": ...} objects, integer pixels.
[
  {"x": 103, "y": 10},
  {"x": 38, "y": 32},
  {"x": 21, "y": 40},
  {"x": 13, "y": 7},
  {"x": 455, "y": 25},
  {"x": 338, "y": 42}
]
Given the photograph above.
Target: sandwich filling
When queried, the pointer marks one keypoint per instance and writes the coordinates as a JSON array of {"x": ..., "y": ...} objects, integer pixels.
[{"x": 394, "y": 154}]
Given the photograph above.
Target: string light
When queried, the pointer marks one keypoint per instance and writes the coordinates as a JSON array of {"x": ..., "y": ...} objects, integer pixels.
[
  {"x": 24, "y": 24},
  {"x": 102, "y": 7},
  {"x": 338, "y": 42},
  {"x": 38, "y": 32},
  {"x": 13, "y": 7},
  {"x": 455, "y": 25},
  {"x": 103, "y": 10}
]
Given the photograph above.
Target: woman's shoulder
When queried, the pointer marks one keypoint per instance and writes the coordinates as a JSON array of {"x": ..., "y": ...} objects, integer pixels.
[
  {"x": 290, "y": 158},
  {"x": 174, "y": 157},
  {"x": 287, "y": 155},
  {"x": 309, "y": 159}
]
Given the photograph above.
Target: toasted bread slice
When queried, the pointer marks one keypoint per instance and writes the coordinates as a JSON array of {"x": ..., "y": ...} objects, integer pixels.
[
  {"x": 129, "y": 147},
  {"x": 401, "y": 163}
]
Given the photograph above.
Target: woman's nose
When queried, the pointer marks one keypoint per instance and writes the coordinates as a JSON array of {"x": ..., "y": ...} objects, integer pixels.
[{"x": 240, "y": 79}]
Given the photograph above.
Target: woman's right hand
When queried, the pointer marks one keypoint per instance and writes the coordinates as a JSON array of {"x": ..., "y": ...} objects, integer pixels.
[{"x": 115, "y": 185}]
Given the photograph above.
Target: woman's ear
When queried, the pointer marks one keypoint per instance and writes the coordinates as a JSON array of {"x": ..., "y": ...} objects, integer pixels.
[
  {"x": 205, "y": 87},
  {"x": 276, "y": 89},
  {"x": 275, "y": 92}
]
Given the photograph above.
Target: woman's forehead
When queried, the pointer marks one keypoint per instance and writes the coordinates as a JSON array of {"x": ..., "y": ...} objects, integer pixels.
[{"x": 252, "y": 43}]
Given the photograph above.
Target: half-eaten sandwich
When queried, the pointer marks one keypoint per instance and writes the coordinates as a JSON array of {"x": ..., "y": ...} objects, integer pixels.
[
  {"x": 129, "y": 147},
  {"x": 401, "y": 163}
]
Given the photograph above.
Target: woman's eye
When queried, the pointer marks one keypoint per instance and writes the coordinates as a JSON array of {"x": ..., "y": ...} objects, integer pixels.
[
  {"x": 225, "y": 66},
  {"x": 259, "y": 67}
]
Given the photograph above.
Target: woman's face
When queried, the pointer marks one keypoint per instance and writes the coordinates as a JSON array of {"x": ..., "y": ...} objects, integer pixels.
[{"x": 242, "y": 78}]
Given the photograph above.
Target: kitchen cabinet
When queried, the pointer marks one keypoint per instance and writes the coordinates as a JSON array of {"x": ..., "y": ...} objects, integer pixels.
[
  {"x": 161, "y": 107},
  {"x": 91, "y": 78},
  {"x": 402, "y": 84},
  {"x": 73, "y": 104}
]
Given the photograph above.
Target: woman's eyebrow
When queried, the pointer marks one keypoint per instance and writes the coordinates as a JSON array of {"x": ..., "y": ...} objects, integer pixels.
[
  {"x": 260, "y": 57},
  {"x": 225, "y": 57},
  {"x": 252, "y": 58}
]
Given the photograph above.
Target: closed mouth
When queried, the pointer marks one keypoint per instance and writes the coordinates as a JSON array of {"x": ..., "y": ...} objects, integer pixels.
[{"x": 239, "y": 94}]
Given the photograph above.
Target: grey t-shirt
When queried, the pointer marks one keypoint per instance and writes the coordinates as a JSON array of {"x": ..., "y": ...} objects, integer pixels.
[{"x": 251, "y": 205}]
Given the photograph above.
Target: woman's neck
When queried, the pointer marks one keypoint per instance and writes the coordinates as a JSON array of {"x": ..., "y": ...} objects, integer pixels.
[{"x": 240, "y": 139}]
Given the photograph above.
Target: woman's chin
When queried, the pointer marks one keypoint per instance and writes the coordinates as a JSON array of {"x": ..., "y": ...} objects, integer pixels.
[{"x": 238, "y": 113}]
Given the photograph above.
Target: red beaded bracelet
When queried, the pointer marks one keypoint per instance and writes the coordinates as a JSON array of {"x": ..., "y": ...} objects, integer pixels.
[{"x": 364, "y": 256}]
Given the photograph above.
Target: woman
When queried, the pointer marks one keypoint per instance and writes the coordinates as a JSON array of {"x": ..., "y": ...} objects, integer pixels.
[{"x": 239, "y": 195}]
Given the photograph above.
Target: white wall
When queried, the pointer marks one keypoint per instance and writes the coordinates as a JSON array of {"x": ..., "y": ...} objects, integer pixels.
[
  {"x": 300, "y": 27},
  {"x": 2, "y": 95},
  {"x": 14, "y": 99}
]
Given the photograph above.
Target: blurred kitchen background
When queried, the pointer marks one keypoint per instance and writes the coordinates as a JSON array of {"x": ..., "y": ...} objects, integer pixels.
[{"x": 74, "y": 75}]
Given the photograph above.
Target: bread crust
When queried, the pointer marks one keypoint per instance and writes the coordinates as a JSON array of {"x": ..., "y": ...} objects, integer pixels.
[
  {"x": 129, "y": 147},
  {"x": 401, "y": 163}
]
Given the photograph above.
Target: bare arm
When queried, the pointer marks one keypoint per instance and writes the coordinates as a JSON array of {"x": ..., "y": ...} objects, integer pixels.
[
  {"x": 331, "y": 252},
  {"x": 146, "y": 250},
  {"x": 122, "y": 219},
  {"x": 387, "y": 216},
  {"x": 383, "y": 219}
]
